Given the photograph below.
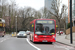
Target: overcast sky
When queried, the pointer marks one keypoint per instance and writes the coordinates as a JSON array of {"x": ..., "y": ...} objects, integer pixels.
[{"x": 36, "y": 4}]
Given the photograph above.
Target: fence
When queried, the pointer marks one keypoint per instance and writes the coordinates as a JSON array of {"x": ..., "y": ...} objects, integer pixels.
[{"x": 68, "y": 30}]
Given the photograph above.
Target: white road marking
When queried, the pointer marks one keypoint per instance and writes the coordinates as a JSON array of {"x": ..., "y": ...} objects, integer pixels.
[
  {"x": 33, "y": 45},
  {"x": 3, "y": 40},
  {"x": 61, "y": 47},
  {"x": 69, "y": 47}
]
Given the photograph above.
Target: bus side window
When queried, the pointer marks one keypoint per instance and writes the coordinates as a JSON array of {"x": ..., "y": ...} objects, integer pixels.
[{"x": 32, "y": 27}]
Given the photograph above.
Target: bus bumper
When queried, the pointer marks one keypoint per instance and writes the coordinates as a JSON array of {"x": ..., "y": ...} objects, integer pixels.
[{"x": 44, "y": 40}]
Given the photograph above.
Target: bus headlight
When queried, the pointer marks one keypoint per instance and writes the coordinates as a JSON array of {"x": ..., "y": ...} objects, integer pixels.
[
  {"x": 53, "y": 36},
  {"x": 35, "y": 36}
]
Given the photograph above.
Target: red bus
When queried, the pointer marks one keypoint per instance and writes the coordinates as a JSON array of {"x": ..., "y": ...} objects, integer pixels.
[
  {"x": 2, "y": 27},
  {"x": 43, "y": 30}
]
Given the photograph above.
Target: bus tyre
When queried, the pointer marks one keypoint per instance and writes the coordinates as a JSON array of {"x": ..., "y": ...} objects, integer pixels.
[
  {"x": 32, "y": 40},
  {"x": 3, "y": 36}
]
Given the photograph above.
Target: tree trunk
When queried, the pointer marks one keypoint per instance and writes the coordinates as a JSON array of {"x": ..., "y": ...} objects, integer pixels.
[
  {"x": 65, "y": 28},
  {"x": 59, "y": 28}
]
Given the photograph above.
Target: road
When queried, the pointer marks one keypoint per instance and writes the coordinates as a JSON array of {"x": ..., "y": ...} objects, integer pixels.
[{"x": 14, "y": 43}]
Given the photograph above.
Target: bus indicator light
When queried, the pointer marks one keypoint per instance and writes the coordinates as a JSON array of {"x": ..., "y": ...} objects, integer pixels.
[
  {"x": 52, "y": 33},
  {"x": 53, "y": 36},
  {"x": 35, "y": 36},
  {"x": 32, "y": 25}
]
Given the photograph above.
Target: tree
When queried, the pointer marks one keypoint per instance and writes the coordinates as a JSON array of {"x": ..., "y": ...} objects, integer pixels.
[
  {"x": 56, "y": 11},
  {"x": 23, "y": 16},
  {"x": 65, "y": 17},
  {"x": 44, "y": 13},
  {"x": 3, "y": 7},
  {"x": 38, "y": 15},
  {"x": 8, "y": 10},
  {"x": 28, "y": 12}
]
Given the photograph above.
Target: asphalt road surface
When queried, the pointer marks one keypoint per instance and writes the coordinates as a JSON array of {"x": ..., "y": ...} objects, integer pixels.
[{"x": 14, "y": 43}]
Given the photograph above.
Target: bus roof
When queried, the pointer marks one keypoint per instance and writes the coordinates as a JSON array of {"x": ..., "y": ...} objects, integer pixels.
[{"x": 40, "y": 19}]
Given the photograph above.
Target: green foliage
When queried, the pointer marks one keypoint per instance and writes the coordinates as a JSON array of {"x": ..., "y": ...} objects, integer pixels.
[
  {"x": 68, "y": 26},
  {"x": 26, "y": 23}
]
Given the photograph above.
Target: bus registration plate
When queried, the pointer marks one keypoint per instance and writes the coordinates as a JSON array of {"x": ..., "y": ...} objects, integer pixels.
[{"x": 44, "y": 41}]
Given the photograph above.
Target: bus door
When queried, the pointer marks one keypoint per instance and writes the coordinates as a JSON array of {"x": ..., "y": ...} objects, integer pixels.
[{"x": 1, "y": 31}]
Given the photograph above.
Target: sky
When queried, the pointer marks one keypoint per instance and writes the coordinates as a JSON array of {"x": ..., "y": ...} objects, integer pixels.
[{"x": 36, "y": 4}]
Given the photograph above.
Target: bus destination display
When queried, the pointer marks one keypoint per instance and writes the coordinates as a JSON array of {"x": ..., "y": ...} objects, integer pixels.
[{"x": 45, "y": 22}]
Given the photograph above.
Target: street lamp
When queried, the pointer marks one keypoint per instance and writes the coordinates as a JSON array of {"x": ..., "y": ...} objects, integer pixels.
[
  {"x": 71, "y": 21},
  {"x": 9, "y": 20},
  {"x": 16, "y": 24}
]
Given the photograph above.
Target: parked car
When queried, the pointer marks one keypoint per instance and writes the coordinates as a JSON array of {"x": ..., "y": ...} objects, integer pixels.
[
  {"x": 27, "y": 32},
  {"x": 60, "y": 32},
  {"x": 22, "y": 34}
]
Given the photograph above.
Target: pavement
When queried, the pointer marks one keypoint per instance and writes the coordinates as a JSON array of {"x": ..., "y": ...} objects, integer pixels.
[{"x": 65, "y": 39}]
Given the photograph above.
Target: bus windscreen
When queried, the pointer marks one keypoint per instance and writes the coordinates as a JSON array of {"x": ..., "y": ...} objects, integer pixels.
[{"x": 45, "y": 27}]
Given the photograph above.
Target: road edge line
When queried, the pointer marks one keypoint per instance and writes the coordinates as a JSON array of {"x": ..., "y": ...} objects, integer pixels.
[
  {"x": 33, "y": 45},
  {"x": 4, "y": 40},
  {"x": 65, "y": 44}
]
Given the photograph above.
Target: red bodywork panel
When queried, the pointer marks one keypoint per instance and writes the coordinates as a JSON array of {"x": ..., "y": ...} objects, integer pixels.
[
  {"x": 2, "y": 33},
  {"x": 47, "y": 38}
]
